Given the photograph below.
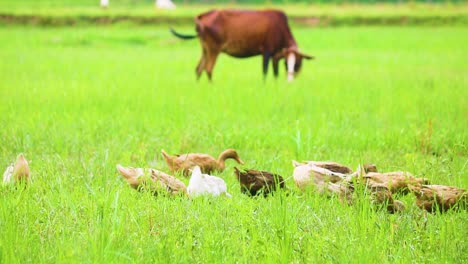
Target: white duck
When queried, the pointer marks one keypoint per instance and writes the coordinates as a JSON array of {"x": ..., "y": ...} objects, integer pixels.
[
  {"x": 202, "y": 184},
  {"x": 17, "y": 173}
]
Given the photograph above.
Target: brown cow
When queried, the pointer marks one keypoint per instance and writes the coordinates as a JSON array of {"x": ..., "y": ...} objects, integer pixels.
[{"x": 243, "y": 34}]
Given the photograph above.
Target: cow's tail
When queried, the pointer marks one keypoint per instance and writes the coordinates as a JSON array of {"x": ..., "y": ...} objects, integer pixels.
[{"x": 182, "y": 36}]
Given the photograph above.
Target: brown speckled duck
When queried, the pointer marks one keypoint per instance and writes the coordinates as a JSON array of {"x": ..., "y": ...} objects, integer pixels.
[
  {"x": 382, "y": 196},
  {"x": 439, "y": 197},
  {"x": 18, "y": 173},
  {"x": 152, "y": 180},
  {"x": 395, "y": 181},
  {"x": 254, "y": 182},
  {"x": 185, "y": 162},
  {"x": 326, "y": 181},
  {"x": 342, "y": 190}
]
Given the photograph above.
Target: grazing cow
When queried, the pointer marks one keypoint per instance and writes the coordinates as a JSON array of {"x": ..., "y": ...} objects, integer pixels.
[{"x": 243, "y": 34}]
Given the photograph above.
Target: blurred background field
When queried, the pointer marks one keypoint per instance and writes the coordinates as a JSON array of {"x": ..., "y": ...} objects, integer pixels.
[
  {"x": 78, "y": 98},
  {"x": 302, "y": 12}
]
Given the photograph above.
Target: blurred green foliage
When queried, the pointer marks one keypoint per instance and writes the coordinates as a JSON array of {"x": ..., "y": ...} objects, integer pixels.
[{"x": 217, "y": 2}]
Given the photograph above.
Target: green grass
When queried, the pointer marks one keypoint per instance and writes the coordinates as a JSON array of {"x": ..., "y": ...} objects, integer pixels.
[
  {"x": 73, "y": 13},
  {"x": 77, "y": 101},
  {"x": 116, "y": 8}
]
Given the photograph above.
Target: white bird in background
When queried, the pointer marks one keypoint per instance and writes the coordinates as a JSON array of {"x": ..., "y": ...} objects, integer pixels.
[
  {"x": 104, "y": 3},
  {"x": 202, "y": 184}
]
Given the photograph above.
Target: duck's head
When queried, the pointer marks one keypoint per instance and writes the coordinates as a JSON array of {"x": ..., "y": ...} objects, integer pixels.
[
  {"x": 238, "y": 172},
  {"x": 21, "y": 159},
  {"x": 21, "y": 169},
  {"x": 230, "y": 154}
]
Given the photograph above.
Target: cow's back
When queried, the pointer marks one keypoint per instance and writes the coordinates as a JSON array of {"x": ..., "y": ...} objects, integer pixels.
[{"x": 245, "y": 33}]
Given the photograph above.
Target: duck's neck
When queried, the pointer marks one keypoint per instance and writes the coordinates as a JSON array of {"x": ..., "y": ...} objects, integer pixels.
[
  {"x": 227, "y": 154},
  {"x": 195, "y": 178}
]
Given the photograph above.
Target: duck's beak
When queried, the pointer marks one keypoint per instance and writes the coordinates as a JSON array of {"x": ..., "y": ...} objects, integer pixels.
[{"x": 240, "y": 161}]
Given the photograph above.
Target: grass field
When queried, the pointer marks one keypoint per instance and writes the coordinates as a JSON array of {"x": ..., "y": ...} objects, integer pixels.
[
  {"x": 88, "y": 12},
  {"x": 76, "y": 7},
  {"x": 77, "y": 101}
]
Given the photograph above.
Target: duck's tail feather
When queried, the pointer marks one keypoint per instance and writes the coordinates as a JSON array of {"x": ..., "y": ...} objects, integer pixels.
[
  {"x": 165, "y": 155},
  {"x": 124, "y": 172}
]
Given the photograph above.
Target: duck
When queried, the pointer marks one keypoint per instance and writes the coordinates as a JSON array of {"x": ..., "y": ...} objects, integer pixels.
[
  {"x": 330, "y": 183},
  {"x": 324, "y": 181},
  {"x": 440, "y": 198},
  {"x": 155, "y": 181},
  {"x": 204, "y": 184},
  {"x": 381, "y": 196},
  {"x": 397, "y": 181},
  {"x": 254, "y": 182},
  {"x": 307, "y": 174},
  {"x": 19, "y": 172},
  {"x": 185, "y": 162},
  {"x": 341, "y": 189}
]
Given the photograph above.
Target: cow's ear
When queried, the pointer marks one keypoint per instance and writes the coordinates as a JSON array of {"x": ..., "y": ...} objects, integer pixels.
[{"x": 305, "y": 56}]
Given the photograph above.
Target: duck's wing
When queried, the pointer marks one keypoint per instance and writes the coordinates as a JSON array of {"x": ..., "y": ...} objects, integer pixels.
[
  {"x": 449, "y": 196},
  {"x": 186, "y": 162},
  {"x": 398, "y": 181},
  {"x": 441, "y": 197},
  {"x": 206, "y": 162},
  {"x": 322, "y": 174},
  {"x": 270, "y": 179},
  {"x": 332, "y": 166},
  {"x": 173, "y": 184},
  {"x": 217, "y": 185},
  {"x": 248, "y": 181}
]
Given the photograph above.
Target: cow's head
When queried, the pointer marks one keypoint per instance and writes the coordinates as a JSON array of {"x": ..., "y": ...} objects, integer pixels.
[{"x": 293, "y": 60}]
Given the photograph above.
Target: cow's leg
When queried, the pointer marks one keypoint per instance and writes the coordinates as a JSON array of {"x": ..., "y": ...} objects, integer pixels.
[
  {"x": 201, "y": 64},
  {"x": 266, "y": 60},
  {"x": 275, "y": 67},
  {"x": 210, "y": 62}
]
